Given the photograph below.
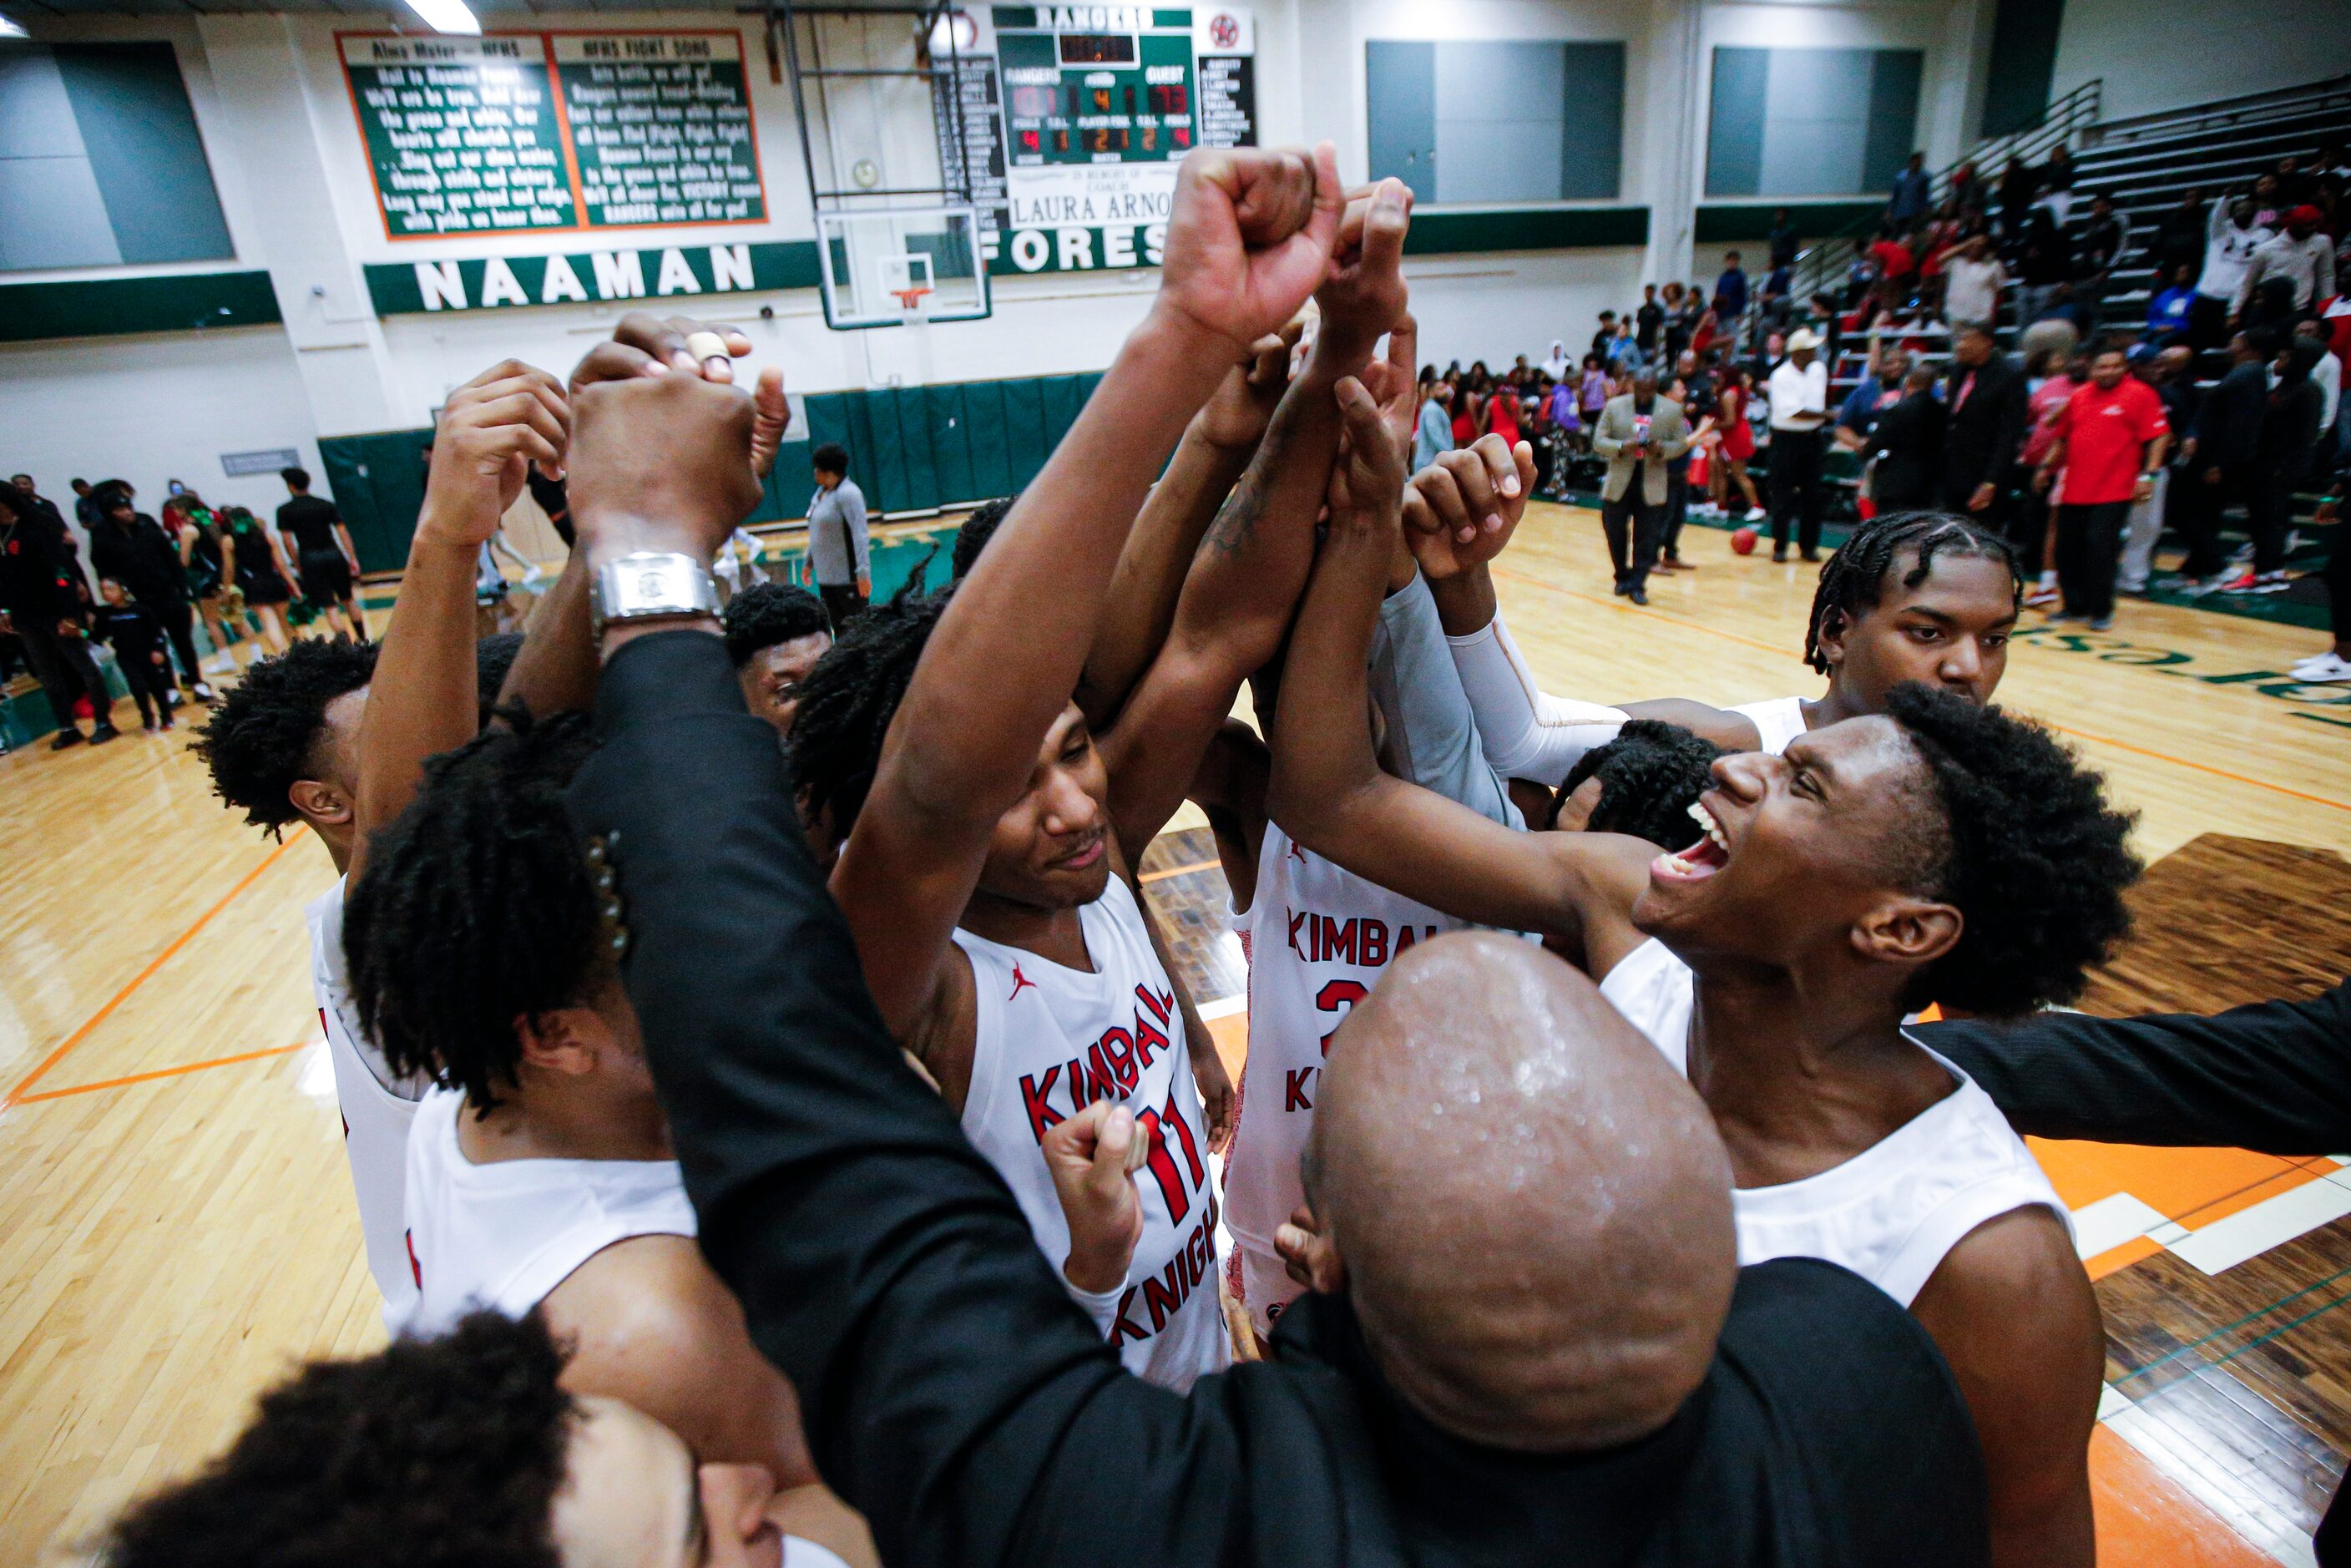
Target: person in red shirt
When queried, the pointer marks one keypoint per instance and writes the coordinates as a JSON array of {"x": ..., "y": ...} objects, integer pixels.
[
  {"x": 1466, "y": 426},
  {"x": 1895, "y": 265},
  {"x": 1502, "y": 415},
  {"x": 2110, "y": 440}
]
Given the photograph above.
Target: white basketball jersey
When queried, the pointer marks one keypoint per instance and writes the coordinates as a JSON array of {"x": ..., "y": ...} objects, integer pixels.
[
  {"x": 377, "y": 1109},
  {"x": 1892, "y": 1211},
  {"x": 1050, "y": 1041},
  {"x": 501, "y": 1235},
  {"x": 1318, "y": 939},
  {"x": 1778, "y": 721},
  {"x": 1655, "y": 991}
]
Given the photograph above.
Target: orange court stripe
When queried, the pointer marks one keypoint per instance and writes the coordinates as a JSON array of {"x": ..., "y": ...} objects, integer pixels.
[
  {"x": 2077, "y": 734},
  {"x": 16, "y": 1095},
  {"x": 1163, "y": 872},
  {"x": 2115, "y": 1259},
  {"x": 161, "y": 1073}
]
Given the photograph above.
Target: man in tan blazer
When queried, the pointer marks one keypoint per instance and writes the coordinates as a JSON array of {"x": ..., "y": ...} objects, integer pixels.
[{"x": 1644, "y": 430}]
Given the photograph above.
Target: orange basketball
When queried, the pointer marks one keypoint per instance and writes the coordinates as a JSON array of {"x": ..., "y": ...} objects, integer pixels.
[{"x": 1742, "y": 540}]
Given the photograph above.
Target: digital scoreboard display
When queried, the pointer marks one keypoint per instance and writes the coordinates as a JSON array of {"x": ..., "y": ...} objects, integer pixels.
[{"x": 1096, "y": 84}]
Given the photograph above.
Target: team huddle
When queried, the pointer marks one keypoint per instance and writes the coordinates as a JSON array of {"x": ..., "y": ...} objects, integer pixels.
[{"x": 604, "y": 1354}]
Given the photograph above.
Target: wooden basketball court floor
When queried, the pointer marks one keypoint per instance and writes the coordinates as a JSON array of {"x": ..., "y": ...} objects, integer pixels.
[{"x": 176, "y": 1225}]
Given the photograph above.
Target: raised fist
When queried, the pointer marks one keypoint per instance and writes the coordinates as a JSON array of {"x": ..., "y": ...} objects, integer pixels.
[
  {"x": 1364, "y": 295},
  {"x": 1250, "y": 238},
  {"x": 491, "y": 431},
  {"x": 660, "y": 462}
]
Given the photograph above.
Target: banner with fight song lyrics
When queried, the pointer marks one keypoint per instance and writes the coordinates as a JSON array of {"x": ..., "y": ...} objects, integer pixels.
[{"x": 542, "y": 132}]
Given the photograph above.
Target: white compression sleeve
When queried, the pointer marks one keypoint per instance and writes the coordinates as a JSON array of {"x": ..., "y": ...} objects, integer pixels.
[{"x": 1527, "y": 733}]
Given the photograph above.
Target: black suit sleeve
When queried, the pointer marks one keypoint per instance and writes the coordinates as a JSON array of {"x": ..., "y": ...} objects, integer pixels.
[
  {"x": 951, "y": 1390},
  {"x": 2010, "y": 416},
  {"x": 2275, "y": 1076}
]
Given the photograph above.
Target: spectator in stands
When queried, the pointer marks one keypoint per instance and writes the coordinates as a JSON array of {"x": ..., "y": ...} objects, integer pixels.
[
  {"x": 1782, "y": 241},
  {"x": 2108, "y": 442},
  {"x": 86, "y": 509},
  {"x": 2058, "y": 182},
  {"x": 1603, "y": 341},
  {"x": 1730, "y": 293},
  {"x": 2168, "y": 312},
  {"x": 2230, "y": 238},
  {"x": 1972, "y": 279},
  {"x": 2171, "y": 375},
  {"x": 837, "y": 547},
  {"x": 2045, "y": 263},
  {"x": 1894, "y": 266},
  {"x": 1649, "y": 323},
  {"x": 1986, "y": 396},
  {"x": 2179, "y": 237},
  {"x": 2220, "y": 469},
  {"x": 1469, "y": 418},
  {"x": 1434, "y": 436},
  {"x": 2282, "y": 461},
  {"x": 2327, "y": 373},
  {"x": 1502, "y": 415},
  {"x": 2018, "y": 185},
  {"x": 1675, "y": 329},
  {"x": 2105, "y": 240},
  {"x": 1879, "y": 389},
  {"x": 132, "y": 548},
  {"x": 39, "y": 604},
  {"x": 1913, "y": 194},
  {"x": 42, "y": 516},
  {"x": 1591, "y": 393},
  {"x": 1967, "y": 197},
  {"x": 2290, "y": 276},
  {"x": 1799, "y": 392}
]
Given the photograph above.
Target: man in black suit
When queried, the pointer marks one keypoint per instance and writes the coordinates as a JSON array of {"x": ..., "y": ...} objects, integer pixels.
[
  {"x": 1986, "y": 396},
  {"x": 2274, "y": 1077},
  {"x": 1908, "y": 442},
  {"x": 1493, "y": 1367}
]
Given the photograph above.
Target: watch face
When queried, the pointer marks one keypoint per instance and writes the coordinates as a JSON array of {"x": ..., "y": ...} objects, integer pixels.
[{"x": 653, "y": 584}]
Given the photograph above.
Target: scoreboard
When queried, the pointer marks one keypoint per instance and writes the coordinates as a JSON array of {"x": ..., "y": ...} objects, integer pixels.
[{"x": 1096, "y": 84}]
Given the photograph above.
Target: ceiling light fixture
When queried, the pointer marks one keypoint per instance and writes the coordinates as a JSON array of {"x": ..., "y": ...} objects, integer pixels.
[
  {"x": 447, "y": 15},
  {"x": 12, "y": 28}
]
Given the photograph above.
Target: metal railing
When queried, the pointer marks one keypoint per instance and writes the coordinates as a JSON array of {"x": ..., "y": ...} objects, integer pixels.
[
  {"x": 2222, "y": 114},
  {"x": 1821, "y": 267}
]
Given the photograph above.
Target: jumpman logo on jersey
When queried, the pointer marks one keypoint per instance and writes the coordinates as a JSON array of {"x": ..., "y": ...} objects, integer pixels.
[
  {"x": 1297, "y": 853},
  {"x": 1019, "y": 981}
]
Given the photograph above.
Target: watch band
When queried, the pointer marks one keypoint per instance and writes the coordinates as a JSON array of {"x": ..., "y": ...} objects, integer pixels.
[{"x": 643, "y": 584}]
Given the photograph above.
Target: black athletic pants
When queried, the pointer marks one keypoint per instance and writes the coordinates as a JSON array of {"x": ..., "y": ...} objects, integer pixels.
[
  {"x": 2089, "y": 549},
  {"x": 2267, "y": 509},
  {"x": 842, "y": 601},
  {"x": 65, "y": 670},
  {"x": 179, "y": 624},
  {"x": 150, "y": 683},
  {"x": 2028, "y": 521},
  {"x": 2201, "y": 504},
  {"x": 1669, "y": 532},
  {"x": 1796, "y": 494},
  {"x": 1633, "y": 527}
]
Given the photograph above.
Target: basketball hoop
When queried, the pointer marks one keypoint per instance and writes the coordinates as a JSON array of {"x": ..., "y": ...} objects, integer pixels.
[{"x": 910, "y": 300}]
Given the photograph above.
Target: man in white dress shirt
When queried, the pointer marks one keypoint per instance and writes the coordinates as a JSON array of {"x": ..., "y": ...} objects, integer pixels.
[{"x": 1800, "y": 402}]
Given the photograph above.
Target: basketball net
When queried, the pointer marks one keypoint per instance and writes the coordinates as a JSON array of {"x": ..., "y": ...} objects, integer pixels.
[{"x": 910, "y": 301}]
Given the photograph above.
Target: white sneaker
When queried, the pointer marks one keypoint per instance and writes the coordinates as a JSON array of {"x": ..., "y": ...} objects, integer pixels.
[
  {"x": 2324, "y": 669},
  {"x": 1754, "y": 515},
  {"x": 2268, "y": 582}
]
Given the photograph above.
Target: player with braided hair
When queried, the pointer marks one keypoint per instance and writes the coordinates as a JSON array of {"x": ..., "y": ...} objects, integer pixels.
[
  {"x": 1937, "y": 849},
  {"x": 1641, "y": 783},
  {"x": 1910, "y": 596}
]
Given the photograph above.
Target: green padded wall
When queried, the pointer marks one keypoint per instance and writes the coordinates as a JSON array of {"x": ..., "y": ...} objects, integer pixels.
[{"x": 910, "y": 449}]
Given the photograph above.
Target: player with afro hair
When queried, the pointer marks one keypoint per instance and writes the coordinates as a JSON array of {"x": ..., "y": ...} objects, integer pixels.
[{"x": 282, "y": 743}]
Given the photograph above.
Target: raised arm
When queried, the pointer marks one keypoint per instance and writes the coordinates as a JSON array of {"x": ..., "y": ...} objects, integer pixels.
[
  {"x": 422, "y": 700},
  {"x": 1217, "y": 448},
  {"x": 1245, "y": 580},
  {"x": 1250, "y": 238},
  {"x": 1327, "y": 789},
  {"x": 953, "y": 1393}
]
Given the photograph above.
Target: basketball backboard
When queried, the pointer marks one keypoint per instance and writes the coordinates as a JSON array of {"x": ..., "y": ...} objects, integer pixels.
[{"x": 889, "y": 267}]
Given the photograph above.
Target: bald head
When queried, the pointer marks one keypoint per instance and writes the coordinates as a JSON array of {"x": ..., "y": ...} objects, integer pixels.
[{"x": 1532, "y": 1207}]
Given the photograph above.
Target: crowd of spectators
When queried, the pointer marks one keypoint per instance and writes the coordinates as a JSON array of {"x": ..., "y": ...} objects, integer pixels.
[
  {"x": 2085, "y": 446},
  {"x": 149, "y": 583}
]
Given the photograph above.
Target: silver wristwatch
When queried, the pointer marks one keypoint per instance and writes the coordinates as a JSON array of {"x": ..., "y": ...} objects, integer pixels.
[{"x": 647, "y": 583}]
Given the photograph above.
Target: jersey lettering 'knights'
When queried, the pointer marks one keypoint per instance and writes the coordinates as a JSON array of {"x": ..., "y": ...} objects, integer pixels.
[
  {"x": 1318, "y": 939},
  {"x": 1052, "y": 1041}
]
